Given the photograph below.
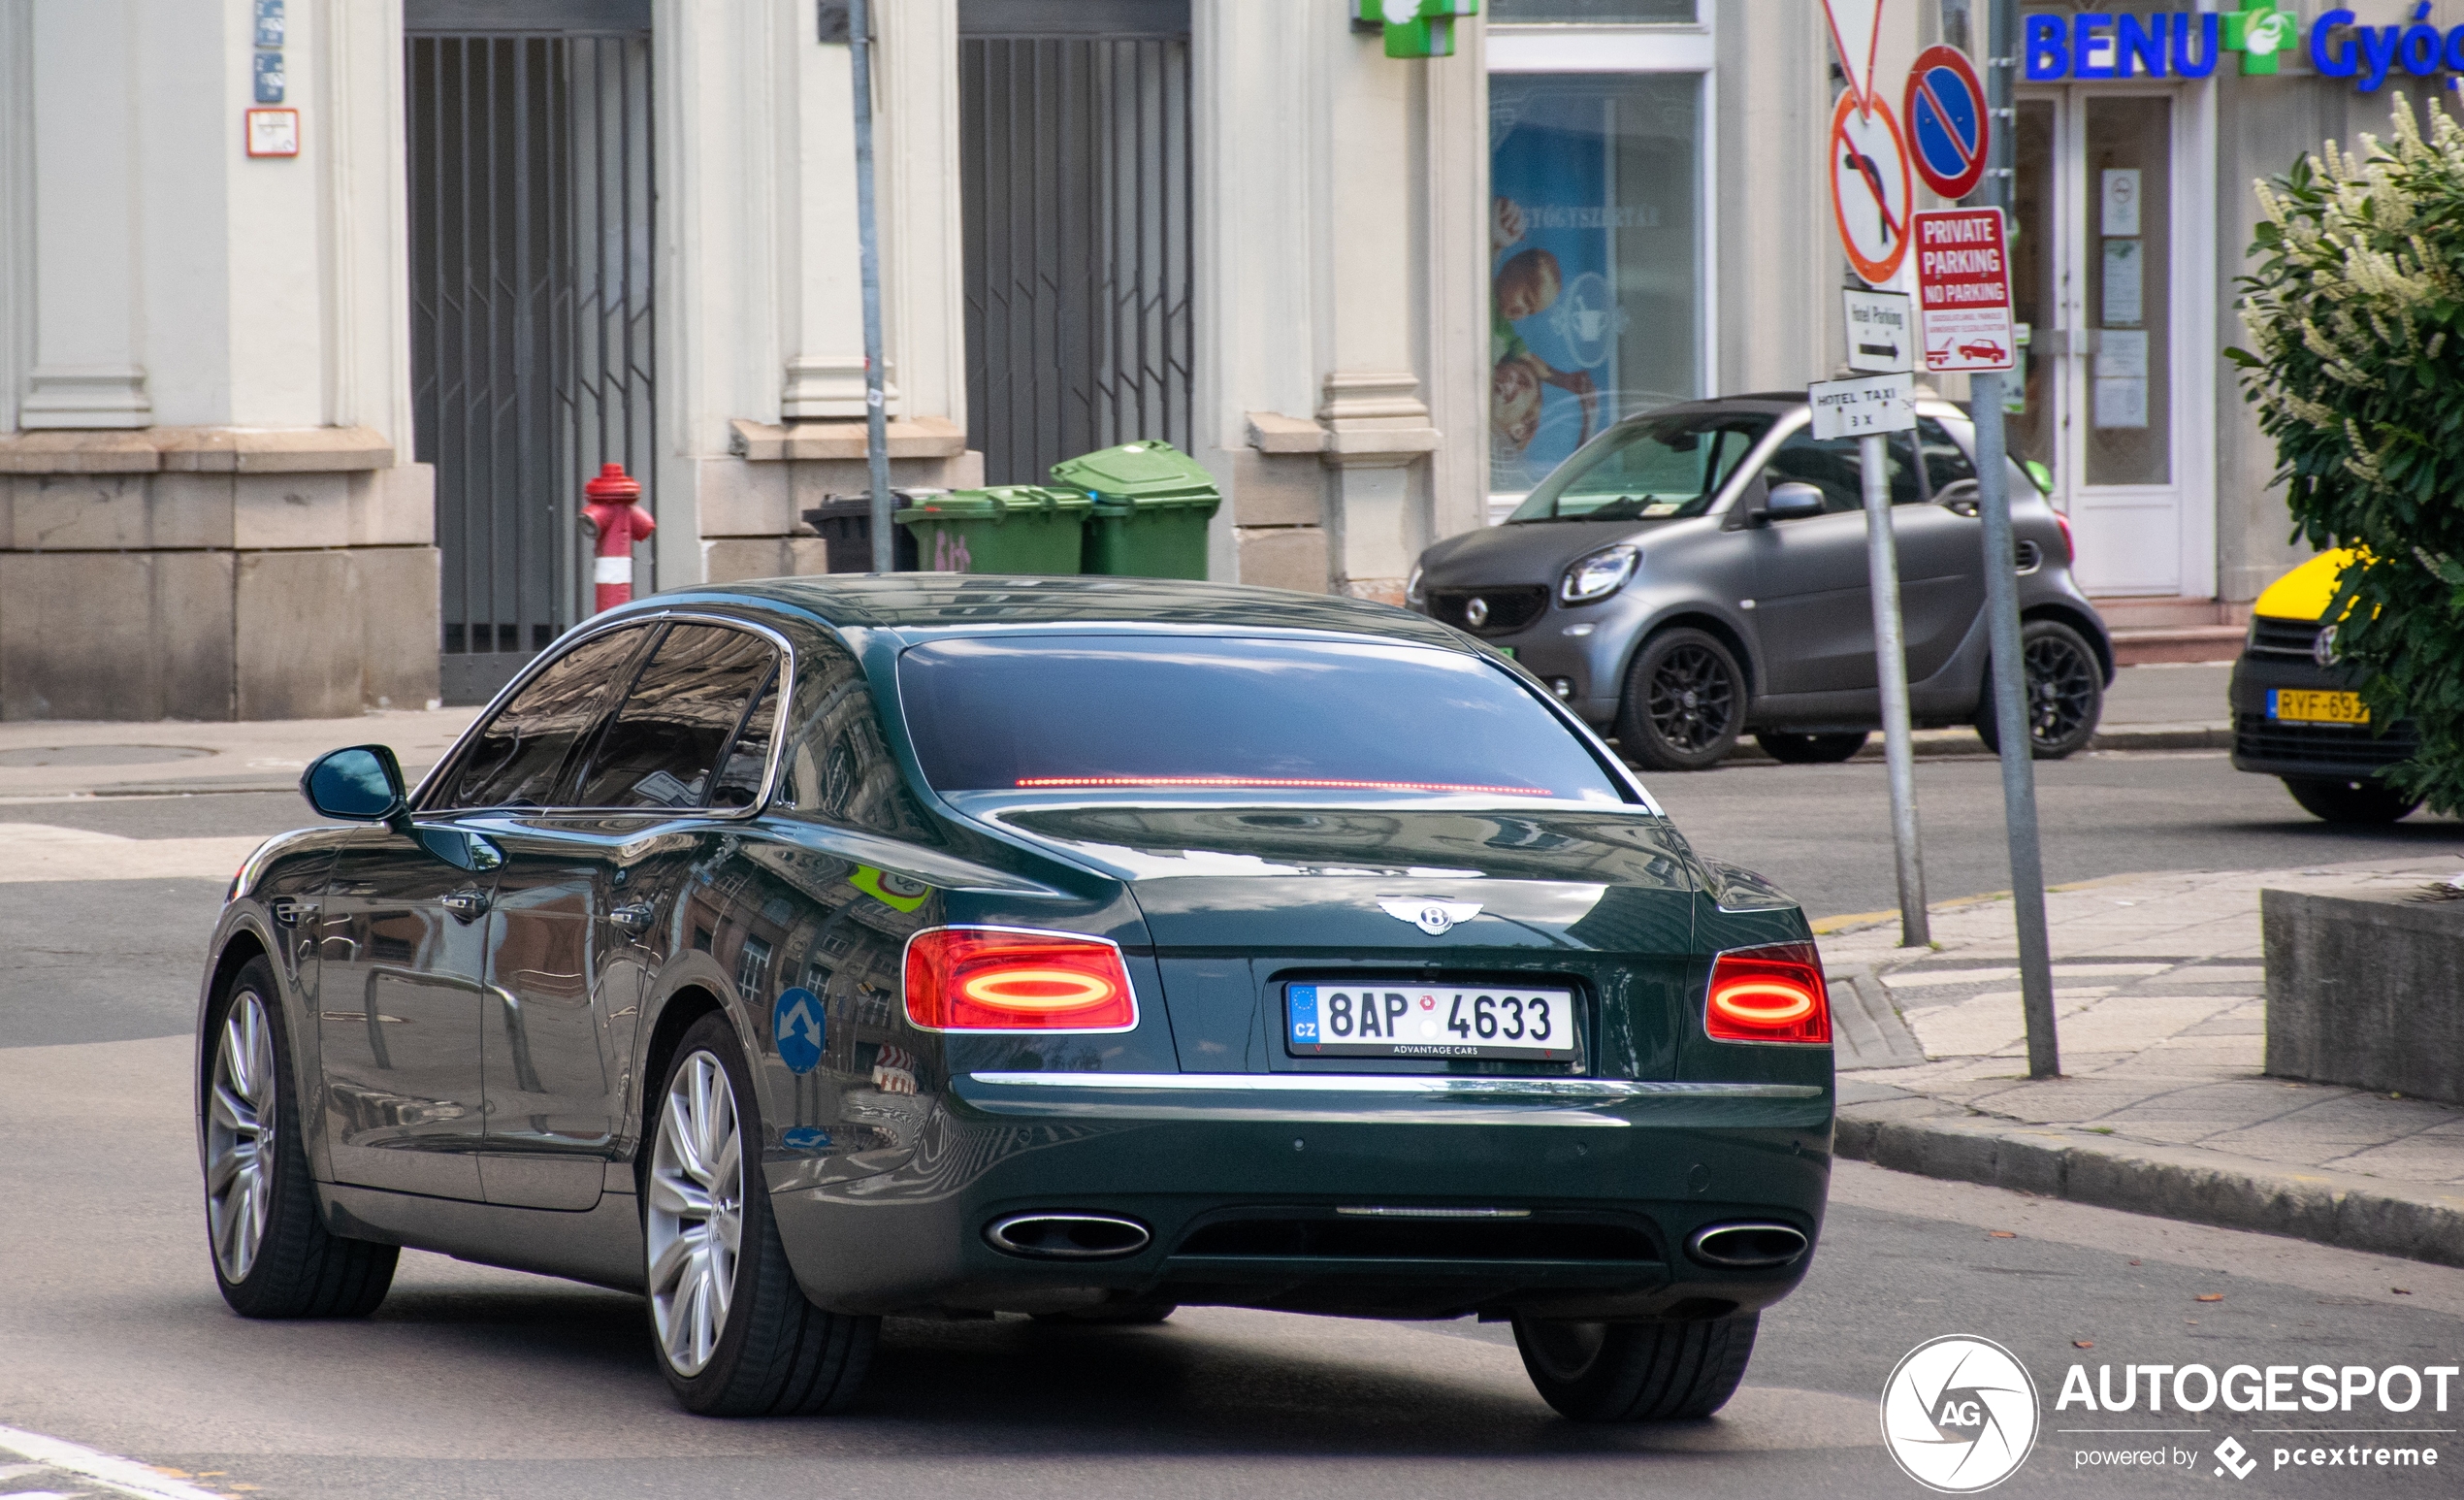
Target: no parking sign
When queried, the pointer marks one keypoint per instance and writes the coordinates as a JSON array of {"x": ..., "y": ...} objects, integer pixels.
[{"x": 1948, "y": 124}]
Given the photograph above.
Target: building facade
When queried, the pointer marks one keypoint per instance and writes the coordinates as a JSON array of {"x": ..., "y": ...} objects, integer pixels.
[{"x": 314, "y": 315}]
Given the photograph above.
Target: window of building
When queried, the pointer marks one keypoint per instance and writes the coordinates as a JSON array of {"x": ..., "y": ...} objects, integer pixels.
[
  {"x": 1597, "y": 12},
  {"x": 1595, "y": 277}
]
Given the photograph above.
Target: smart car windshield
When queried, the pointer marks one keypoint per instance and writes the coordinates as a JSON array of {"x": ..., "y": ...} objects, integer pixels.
[
  {"x": 1652, "y": 468},
  {"x": 1209, "y": 713}
]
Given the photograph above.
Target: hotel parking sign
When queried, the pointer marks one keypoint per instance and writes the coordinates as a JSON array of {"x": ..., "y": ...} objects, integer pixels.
[{"x": 1963, "y": 290}]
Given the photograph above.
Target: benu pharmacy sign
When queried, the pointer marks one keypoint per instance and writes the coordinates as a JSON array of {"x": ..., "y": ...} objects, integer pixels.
[{"x": 2188, "y": 45}]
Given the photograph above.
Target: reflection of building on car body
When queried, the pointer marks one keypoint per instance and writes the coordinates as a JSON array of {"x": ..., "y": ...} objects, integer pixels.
[{"x": 1699, "y": 571}]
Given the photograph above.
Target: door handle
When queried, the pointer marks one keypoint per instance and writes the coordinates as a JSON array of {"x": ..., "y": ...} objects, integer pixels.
[
  {"x": 465, "y": 904},
  {"x": 635, "y": 918}
]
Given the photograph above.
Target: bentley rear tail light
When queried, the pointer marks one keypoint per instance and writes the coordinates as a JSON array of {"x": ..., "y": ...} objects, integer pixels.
[
  {"x": 1010, "y": 979},
  {"x": 1769, "y": 995}
]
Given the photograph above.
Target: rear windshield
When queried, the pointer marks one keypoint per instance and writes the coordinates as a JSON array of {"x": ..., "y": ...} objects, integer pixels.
[
  {"x": 1132, "y": 712},
  {"x": 1651, "y": 468}
]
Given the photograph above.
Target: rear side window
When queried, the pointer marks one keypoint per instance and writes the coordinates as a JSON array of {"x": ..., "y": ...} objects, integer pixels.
[
  {"x": 692, "y": 697},
  {"x": 1099, "y": 711},
  {"x": 518, "y": 758},
  {"x": 839, "y": 765}
]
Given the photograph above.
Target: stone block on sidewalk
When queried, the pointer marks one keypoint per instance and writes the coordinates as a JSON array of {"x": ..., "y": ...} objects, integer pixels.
[{"x": 2363, "y": 990}]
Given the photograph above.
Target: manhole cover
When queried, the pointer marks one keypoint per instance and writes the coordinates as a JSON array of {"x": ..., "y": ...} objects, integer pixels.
[{"x": 101, "y": 755}]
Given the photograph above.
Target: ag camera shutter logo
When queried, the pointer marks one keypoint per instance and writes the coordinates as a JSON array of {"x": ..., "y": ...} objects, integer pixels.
[{"x": 1959, "y": 1414}]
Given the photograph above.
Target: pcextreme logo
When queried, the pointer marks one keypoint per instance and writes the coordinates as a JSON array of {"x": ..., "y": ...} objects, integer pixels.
[{"x": 1959, "y": 1414}]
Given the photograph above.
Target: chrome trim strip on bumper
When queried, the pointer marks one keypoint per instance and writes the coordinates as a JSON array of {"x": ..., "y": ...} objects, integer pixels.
[{"x": 1449, "y": 1086}]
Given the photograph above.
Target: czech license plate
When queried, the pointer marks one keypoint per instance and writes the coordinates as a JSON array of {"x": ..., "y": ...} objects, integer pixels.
[
  {"x": 2303, "y": 705},
  {"x": 1430, "y": 1021}
]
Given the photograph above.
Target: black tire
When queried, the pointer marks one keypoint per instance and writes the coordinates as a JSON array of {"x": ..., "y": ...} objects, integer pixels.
[
  {"x": 776, "y": 1355},
  {"x": 1684, "y": 702},
  {"x": 2371, "y": 801},
  {"x": 2066, "y": 691},
  {"x": 1637, "y": 1372},
  {"x": 1114, "y": 1314},
  {"x": 1811, "y": 749},
  {"x": 297, "y": 1267}
]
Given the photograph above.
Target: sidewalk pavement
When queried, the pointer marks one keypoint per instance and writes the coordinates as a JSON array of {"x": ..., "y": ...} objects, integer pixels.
[
  {"x": 2159, "y": 706},
  {"x": 2161, "y": 1107},
  {"x": 62, "y": 758}
]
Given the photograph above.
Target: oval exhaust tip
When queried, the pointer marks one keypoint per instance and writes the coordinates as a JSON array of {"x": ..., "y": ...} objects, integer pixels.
[
  {"x": 1744, "y": 1246},
  {"x": 1067, "y": 1236}
]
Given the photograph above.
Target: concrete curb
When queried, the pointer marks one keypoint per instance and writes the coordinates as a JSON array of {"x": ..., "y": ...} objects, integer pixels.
[
  {"x": 2345, "y": 1210},
  {"x": 1959, "y": 743}
]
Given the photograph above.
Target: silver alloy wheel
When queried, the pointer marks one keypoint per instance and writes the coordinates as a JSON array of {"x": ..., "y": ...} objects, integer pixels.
[
  {"x": 240, "y": 1135},
  {"x": 694, "y": 1220}
]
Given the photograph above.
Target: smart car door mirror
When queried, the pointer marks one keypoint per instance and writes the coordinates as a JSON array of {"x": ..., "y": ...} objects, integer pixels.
[
  {"x": 1793, "y": 500},
  {"x": 1959, "y": 495},
  {"x": 363, "y": 784}
]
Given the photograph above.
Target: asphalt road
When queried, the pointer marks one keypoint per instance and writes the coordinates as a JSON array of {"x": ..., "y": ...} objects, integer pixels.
[
  {"x": 1823, "y": 832},
  {"x": 475, "y": 1382},
  {"x": 472, "y": 1382}
]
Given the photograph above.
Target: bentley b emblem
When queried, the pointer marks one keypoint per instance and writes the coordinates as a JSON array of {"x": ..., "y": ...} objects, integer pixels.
[{"x": 1432, "y": 917}]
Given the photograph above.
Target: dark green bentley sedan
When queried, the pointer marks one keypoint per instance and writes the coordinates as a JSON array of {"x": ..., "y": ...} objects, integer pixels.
[{"x": 806, "y": 952}]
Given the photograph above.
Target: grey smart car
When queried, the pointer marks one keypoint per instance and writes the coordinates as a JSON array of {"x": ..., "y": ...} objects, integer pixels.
[{"x": 1699, "y": 571}]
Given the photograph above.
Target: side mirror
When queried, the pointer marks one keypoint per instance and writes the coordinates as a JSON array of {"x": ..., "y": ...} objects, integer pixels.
[
  {"x": 363, "y": 784},
  {"x": 1793, "y": 500},
  {"x": 1962, "y": 496}
]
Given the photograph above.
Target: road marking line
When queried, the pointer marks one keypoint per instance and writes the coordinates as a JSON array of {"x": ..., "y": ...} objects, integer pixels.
[{"x": 125, "y": 1475}]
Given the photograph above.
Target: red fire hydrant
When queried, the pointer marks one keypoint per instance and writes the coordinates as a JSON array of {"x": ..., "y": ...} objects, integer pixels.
[{"x": 612, "y": 504}]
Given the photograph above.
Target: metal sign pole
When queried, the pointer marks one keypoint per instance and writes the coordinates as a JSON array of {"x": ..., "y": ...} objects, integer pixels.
[
  {"x": 860, "y": 26},
  {"x": 2002, "y": 603},
  {"x": 1890, "y": 664}
]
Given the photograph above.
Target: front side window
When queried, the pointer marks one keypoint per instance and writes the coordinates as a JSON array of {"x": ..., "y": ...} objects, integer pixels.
[
  {"x": 692, "y": 697},
  {"x": 1203, "y": 713},
  {"x": 518, "y": 758},
  {"x": 1658, "y": 468}
]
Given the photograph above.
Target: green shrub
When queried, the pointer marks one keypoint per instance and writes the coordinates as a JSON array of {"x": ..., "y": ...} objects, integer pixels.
[{"x": 2358, "y": 375}]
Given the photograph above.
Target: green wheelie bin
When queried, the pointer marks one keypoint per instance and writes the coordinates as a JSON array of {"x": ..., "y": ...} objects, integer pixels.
[
  {"x": 1152, "y": 504},
  {"x": 1010, "y": 529}
]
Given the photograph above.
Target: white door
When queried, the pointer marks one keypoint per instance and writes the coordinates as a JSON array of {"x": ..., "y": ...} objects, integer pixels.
[{"x": 2094, "y": 257}]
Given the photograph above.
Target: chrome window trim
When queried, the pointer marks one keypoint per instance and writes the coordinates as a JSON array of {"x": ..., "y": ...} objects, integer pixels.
[
  {"x": 1443, "y": 1085},
  {"x": 575, "y": 639}
]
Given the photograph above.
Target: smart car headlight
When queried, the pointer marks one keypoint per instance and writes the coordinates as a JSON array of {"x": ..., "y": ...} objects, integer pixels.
[{"x": 1596, "y": 575}]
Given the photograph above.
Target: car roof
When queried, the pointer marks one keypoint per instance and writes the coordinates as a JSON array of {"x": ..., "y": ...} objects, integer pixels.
[{"x": 946, "y": 601}]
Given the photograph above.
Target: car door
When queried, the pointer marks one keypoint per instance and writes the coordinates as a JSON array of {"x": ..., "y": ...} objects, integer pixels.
[
  {"x": 1814, "y": 602},
  {"x": 573, "y": 935},
  {"x": 405, "y": 944}
]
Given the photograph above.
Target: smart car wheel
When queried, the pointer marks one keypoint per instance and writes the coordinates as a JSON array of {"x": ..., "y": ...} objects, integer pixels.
[
  {"x": 2066, "y": 691},
  {"x": 2350, "y": 801},
  {"x": 1684, "y": 702},
  {"x": 1810, "y": 749},
  {"x": 1636, "y": 1372},
  {"x": 273, "y": 1255},
  {"x": 735, "y": 1335}
]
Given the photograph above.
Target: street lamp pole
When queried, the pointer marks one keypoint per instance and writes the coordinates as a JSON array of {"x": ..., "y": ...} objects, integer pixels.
[
  {"x": 860, "y": 26},
  {"x": 2001, "y": 594}
]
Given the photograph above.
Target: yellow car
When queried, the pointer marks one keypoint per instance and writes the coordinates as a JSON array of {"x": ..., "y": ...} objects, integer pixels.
[{"x": 2295, "y": 712}]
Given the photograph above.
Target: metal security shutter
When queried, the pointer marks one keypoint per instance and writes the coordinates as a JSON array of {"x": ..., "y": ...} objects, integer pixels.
[
  {"x": 531, "y": 330},
  {"x": 1074, "y": 177}
]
